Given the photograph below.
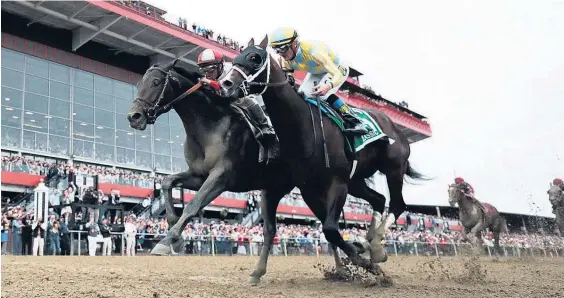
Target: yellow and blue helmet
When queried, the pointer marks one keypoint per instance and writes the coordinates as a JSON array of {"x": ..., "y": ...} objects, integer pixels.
[{"x": 282, "y": 37}]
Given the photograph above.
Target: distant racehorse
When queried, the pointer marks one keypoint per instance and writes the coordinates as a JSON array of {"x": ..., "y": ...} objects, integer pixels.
[
  {"x": 556, "y": 198},
  {"x": 476, "y": 217}
]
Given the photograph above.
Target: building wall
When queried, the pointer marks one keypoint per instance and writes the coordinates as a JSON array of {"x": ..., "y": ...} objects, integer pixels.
[{"x": 50, "y": 108}]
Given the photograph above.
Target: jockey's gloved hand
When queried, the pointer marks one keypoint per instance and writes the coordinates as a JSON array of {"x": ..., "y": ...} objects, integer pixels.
[{"x": 291, "y": 80}]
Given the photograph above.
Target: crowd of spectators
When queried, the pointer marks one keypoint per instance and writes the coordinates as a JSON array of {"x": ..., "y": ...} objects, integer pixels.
[
  {"x": 18, "y": 225},
  {"x": 33, "y": 165},
  {"x": 210, "y": 34}
]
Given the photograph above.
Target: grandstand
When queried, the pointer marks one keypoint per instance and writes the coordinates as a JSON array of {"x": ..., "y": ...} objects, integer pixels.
[{"x": 69, "y": 71}]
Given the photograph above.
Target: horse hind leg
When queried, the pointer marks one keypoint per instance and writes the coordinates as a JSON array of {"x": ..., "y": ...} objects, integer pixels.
[
  {"x": 360, "y": 189},
  {"x": 335, "y": 200}
]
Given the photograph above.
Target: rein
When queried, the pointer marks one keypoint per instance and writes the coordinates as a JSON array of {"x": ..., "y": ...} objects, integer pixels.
[{"x": 157, "y": 109}]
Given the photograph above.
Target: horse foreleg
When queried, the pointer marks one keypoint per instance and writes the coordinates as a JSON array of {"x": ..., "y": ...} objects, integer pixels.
[
  {"x": 186, "y": 180},
  {"x": 475, "y": 233},
  {"x": 270, "y": 200},
  {"x": 214, "y": 185}
]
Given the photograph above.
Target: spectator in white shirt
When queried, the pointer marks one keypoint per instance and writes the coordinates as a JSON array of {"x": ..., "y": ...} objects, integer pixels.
[{"x": 130, "y": 232}]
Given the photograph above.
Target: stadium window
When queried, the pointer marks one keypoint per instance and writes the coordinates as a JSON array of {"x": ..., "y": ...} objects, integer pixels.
[
  {"x": 11, "y": 137},
  {"x": 104, "y": 135},
  {"x": 122, "y": 122},
  {"x": 104, "y": 85},
  {"x": 36, "y": 85},
  {"x": 34, "y": 141},
  {"x": 177, "y": 148},
  {"x": 11, "y": 98},
  {"x": 59, "y": 108},
  {"x": 83, "y": 113},
  {"x": 104, "y": 101},
  {"x": 59, "y": 90},
  {"x": 83, "y": 79},
  {"x": 12, "y": 78},
  {"x": 162, "y": 163},
  {"x": 11, "y": 117},
  {"x": 105, "y": 118},
  {"x": 12, "y": 60},
  {"x": 122, "y": 106},
  {"x": 59, "y": 126},
  {"x": 36, "y": 103},
  {"x": 174, "y": 120},
  {"x": 58, "y": 145},
  {"x": 104, "y": 153},
  {"x": 125, "y": 138},
  {"x": 35, "y": 122},
  {"x": 178, "y": 165},
  {"x": 83, "y": 96},
  {"x": 163, "y": 119},
  {"x": 123, "y": 90},
  {"x": 83, "y": 148},
  {"x": 83, "y": 131},
  {"x": 143, "y": 159},
  {"x": 125, "y": 156},
  {"x": 59, "y": 72},
  {"x": 36, "y": 66},
  {"x": 143, "y": 141}
]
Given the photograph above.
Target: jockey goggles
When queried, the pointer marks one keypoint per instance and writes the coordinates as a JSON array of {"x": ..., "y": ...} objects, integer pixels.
[
  {"x": 281, "y": 49},
  {"x": 209, "y": 68}
]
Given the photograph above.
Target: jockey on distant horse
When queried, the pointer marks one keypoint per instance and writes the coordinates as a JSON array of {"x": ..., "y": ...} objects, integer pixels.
[
  {"x": 468, "y": 191},
  {"x": 323, "y": 67},
  {"x": 213, "y": 65}
]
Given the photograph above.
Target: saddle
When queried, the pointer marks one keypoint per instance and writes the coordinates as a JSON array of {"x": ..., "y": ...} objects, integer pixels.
[{"x": 480, "y": 205}]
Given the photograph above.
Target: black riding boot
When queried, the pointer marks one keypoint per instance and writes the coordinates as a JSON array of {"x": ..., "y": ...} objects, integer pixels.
[
  {"x": 352, "y": 123},
  {"x": 267, "y": 135}
]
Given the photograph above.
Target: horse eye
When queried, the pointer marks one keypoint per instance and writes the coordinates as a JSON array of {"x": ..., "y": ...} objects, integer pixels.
[{"x": 156, "y": 82}]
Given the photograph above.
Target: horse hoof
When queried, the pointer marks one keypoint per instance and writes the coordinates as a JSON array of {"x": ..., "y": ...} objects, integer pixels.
[
  {"x": 253, "y": 281},
  {"x": 161, "y": 250},
  {"x": 362, "y": 247}
]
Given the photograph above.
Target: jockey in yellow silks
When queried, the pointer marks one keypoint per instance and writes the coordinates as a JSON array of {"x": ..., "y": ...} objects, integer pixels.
[{"x": 325, "y": 72}]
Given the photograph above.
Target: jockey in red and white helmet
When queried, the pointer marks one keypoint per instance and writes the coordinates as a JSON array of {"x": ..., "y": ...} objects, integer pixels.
[
  {"x": 467, "y": 189},
  {"x": 213, "y": 65}
]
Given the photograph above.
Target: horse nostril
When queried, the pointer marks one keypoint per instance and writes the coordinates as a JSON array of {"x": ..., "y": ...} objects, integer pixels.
[
  {"x": 228, "y": 83},
  {"x": 134, "y": 116}
]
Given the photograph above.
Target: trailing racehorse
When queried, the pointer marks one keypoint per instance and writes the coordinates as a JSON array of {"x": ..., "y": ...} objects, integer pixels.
[
  {"x": 556, "y": 198},
  {"x": 325, "y": 164},
  {"x": 475, "y": 217},
  {"x": 220, "y": 148}
]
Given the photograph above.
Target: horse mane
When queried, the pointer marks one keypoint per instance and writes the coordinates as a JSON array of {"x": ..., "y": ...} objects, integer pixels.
[{"x": 190, "y": 75}]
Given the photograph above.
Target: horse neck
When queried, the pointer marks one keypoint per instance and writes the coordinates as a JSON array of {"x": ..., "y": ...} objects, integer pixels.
[
  {"x": 288, "y": 113},
  {"x": 465, "y": 203},
  {"x": 200, "y": 117}
]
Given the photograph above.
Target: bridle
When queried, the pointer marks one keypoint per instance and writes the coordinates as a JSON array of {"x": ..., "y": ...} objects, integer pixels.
[
  {"x": 249, "y": 80},
  {"x": 157, "y": 109}
]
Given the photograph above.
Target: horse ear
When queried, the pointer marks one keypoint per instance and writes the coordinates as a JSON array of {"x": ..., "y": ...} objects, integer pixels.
[
  {"x": 174, "y": 62},
  {"x": 264, "y": 42},
  {"x": 251, "y": 42}
]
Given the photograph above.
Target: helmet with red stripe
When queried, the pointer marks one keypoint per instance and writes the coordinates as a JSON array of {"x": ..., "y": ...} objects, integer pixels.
[
  {"x": 210, "y": 57},
  {"x": 458, "y": 180}
]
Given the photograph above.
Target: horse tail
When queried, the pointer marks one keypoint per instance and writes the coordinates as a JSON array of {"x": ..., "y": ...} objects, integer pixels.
[{"x": 414, "y": 174}]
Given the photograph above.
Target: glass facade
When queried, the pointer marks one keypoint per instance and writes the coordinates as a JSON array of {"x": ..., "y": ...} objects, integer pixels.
[{"x": 51, "y": 108}]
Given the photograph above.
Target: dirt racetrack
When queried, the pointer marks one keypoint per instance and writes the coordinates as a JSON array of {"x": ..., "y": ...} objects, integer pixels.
[{"x": 183, "y": 276}]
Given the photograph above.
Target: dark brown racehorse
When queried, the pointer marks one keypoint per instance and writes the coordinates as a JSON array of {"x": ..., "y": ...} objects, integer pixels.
[{"x": 323, "y": 188}]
